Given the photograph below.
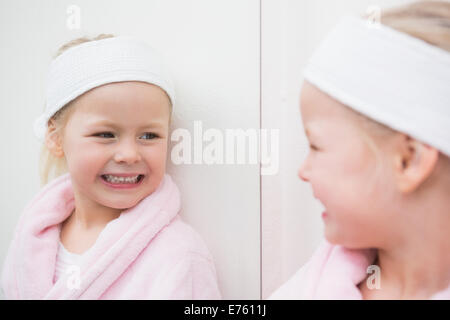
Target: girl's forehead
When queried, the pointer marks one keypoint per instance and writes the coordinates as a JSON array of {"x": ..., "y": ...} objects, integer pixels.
[
  {"x": 122, "y": 120},
  {"x": 315, "y": 102},
  {"x": 331, "y": 127},
  {"x": 131, "y": 101},
  {"x": 120, "y": 115},
  {"x": 124, "y": 93},
  {"x": 321, "y": 112}
]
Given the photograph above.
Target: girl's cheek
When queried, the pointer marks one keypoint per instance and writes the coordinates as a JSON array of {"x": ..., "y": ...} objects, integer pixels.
[
  {"x": 157, "y": 151},
  {"x": 324, "y": 189},
  {"x": 155, "y": 157},
  {"x": 327, "y": 179}
]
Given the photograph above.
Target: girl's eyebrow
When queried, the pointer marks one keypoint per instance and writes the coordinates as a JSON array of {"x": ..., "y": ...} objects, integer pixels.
[{"x": 154, "y": 124}]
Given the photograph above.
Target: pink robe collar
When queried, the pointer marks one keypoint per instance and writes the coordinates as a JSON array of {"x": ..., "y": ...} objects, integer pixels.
[{"x": 30, "y": 264}]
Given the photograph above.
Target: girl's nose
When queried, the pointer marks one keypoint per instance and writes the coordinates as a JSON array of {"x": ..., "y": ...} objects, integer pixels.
[
  {"x": 127, "y": 152},
  {"x": 302, "y": 172}
]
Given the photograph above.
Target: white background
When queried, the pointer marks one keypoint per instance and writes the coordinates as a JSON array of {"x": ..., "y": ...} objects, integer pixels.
[{"x": 213, "y": 50}]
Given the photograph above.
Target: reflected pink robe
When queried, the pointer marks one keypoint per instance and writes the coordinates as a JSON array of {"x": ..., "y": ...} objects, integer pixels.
[{"x": 333, "y": 272}]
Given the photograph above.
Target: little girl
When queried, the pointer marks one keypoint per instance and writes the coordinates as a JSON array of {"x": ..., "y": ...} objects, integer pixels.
[
  {"x": 376, "y": 110},
  {"x": 108, "y": 226}
]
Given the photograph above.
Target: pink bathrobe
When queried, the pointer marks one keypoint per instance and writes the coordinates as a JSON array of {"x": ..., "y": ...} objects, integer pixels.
[
  {"x": 148, "y": 252},
  {"x": 333, "y": 272}
]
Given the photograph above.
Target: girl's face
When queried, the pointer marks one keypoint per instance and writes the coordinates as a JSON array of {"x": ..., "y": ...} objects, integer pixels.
[
  {"x": 341, "y": 169},
  {"x": 117, "y": 128}
]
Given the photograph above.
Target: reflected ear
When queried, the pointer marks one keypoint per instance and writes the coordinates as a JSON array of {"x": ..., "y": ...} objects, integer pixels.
[
  {"x": 414, "y": 163},
  {"x": 53, "y": 141}
]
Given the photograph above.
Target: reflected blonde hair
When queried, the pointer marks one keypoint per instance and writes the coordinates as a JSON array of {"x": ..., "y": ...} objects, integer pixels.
[{"x": 51, "y": 167}]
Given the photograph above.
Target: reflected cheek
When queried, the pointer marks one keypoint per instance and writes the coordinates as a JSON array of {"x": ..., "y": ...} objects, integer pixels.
[
  {"x": 343, "y": 201},
  {"x": 327, "y": 185},
  {"x": 323, "y": 191}
]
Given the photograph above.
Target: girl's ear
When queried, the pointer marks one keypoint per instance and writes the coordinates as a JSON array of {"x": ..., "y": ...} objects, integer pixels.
[
  {"x": 414, "y": 163},
  {"x": 53, "y": 141}
]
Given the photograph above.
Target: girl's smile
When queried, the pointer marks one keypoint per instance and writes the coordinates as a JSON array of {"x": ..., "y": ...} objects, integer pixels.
[{"x": 122, "y": 181}]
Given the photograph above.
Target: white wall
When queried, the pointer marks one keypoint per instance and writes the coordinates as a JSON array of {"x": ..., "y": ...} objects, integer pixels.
[{"x": 212, "y": 48}]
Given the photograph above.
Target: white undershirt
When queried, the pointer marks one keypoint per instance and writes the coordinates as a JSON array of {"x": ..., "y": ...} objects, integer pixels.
[{"x": 65, "y": 260}]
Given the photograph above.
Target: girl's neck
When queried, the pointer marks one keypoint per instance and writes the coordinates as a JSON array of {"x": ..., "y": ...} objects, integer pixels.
[
  {"x": 417, "y": 262},
  {"x": 417, "y": 273},
  {"x": 89, "y": 220}
]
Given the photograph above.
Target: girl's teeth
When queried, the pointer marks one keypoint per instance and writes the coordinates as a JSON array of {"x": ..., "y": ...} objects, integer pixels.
[{"x": 114, "y": 179}]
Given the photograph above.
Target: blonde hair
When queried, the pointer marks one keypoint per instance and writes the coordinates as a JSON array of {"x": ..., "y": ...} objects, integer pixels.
[
  {"x": 426, "y": 20},
  {"x": 50, "y": 167}
]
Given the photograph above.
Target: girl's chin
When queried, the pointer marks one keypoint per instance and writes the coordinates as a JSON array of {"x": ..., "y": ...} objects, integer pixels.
[
  {"x": 332, "y": 235},
  {"x": 119, "y": 205},
  {"x": 336, "y": 238}
]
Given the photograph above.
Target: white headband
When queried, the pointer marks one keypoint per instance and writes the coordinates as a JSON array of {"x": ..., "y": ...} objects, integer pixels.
[
  {"x": 99, "y": 62},
  {"x": 389, "y": 76}
]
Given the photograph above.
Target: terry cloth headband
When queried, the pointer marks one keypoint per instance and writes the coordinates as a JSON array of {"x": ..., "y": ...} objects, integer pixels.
[
  {"x": 389, "y": 76},
  {"x": 94, "y": 63}
]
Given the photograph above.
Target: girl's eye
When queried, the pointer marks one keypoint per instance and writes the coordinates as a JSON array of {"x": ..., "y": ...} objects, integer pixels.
[
  {"x": 103, "y": 133},
  {"x": 151, "y": 135},
  {"x": 313, "y": 147}
]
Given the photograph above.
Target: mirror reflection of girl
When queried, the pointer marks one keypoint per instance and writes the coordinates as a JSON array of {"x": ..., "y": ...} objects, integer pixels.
[
  {"x": 379, "y": 160},
  {"x": 108, "y": 226}
]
